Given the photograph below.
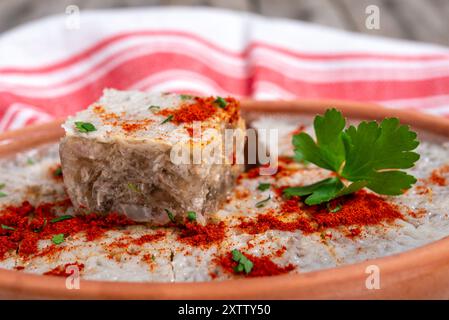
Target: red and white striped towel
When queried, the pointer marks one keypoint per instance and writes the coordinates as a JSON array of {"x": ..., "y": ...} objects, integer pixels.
[{"x": 48, "y": 70}]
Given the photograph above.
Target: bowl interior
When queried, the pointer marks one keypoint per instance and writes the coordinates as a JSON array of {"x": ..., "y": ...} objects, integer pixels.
[{"x": 418, "y": 270}]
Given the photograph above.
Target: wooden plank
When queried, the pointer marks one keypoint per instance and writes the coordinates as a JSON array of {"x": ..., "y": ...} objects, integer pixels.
[
  {"x": 14, "y": 13},
  {"x": 318, "y": 11},
  {"x": 135, "y": 3},
  {"x": 423, "y": 20},
  {"x": 182, "y": 2},
  {"x": 389, "y": 25},
  {"x": 241, "y": 5},
  {"x": 99, "y": 4}
]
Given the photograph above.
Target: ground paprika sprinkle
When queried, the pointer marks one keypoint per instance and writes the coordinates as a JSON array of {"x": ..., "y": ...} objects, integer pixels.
[
  {"x": 265, "y": 222},
  {"x": 60, "y": 271},
  {"x": 197, "y": 235},
  {"x": 262, "y": 266},
  {"x": 202, "y": 109},
  {"x": 28, "y": 224},
  {"x": 113, "y": 119},
  {"x": 149, "y": 238},
  {"x": 356, "y": 210},
  {"x": 135, "y": 125},
  {"x": 437, "y": 176}
]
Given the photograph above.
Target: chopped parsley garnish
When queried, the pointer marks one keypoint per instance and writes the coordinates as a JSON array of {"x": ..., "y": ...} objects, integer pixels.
[
  {"x": 37, "y": 230},
  {"x": 244, "y": 264},
  {"x": 133, "y": 187},
  {"x": 30, "y": 161},
  {"x": 264, "y": 186},
  {"x": 58, "y": 238},
  {"x": 61, "y": 218},
  {"x": 2, "y": 185},
  {"x": 262, "y": 203},
  {"x": 191, "y": 215},
  {"x": 2, "y": 194},
  {"x": 335, "y": 209},
  {"x": 4, "y": 227},
  {"x": 221, "y": 102},
  {"x": 186, "y": 96},
  {"x": 367, "y": 156},
  {"x": 84, "y": 126},
  {"x": 58, "y": 172},
  {"x": 168, "y": 119},
  {"x": 170, "y": 215},
  {"x": 154, "y": 109}
]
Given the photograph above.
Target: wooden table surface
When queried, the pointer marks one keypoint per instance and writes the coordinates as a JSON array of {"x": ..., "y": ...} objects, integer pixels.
[{"x": 422, "y": 20}]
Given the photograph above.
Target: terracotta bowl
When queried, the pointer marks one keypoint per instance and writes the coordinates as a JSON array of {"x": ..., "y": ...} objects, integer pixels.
[{"x": 420, "y": 273}]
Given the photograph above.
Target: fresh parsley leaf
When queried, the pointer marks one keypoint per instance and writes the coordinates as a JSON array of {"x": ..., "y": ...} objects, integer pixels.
[
  {"x": 5, "y": 227},
  {"x": 30, "y": 161},
  {"x": 329, "y": 150},
  {"x": 170, "y": 215},
  {"x": 353, "y": 187},
  {"x": 309, "y": 189},
  {"x": 262, "y": 203},
  {"x": 247, "y": 265},
  {"x": 244, "y": 264},
  {"x": 319, "y": 192},
  {"x": 236, "y": 255},
  {"x": 58, "y": 238},
  {"x": 2, "y": 185},
  {"x": 238, "y": 268},
  {"x": 191, "y": 215},
  {"x": 221, "y": 102},
  {"x": 366, "y": 155},
  {"x": 61, "y": 218},
  {"x": 323, "y": 190},
  {"x": 264, "y": 186},
  {"x": 168, "y": 119},
  {"x": 371, "y": 149},
  {"x": 2, "y": 194},
  {"x": 84, "y": 126}
]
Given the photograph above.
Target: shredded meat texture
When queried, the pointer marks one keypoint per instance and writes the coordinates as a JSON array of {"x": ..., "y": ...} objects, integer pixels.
[{"x": 140, "y": 179}]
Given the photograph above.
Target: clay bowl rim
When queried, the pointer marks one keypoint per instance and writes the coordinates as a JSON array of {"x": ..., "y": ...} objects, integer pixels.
[{"x": 340, "y": 282}]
